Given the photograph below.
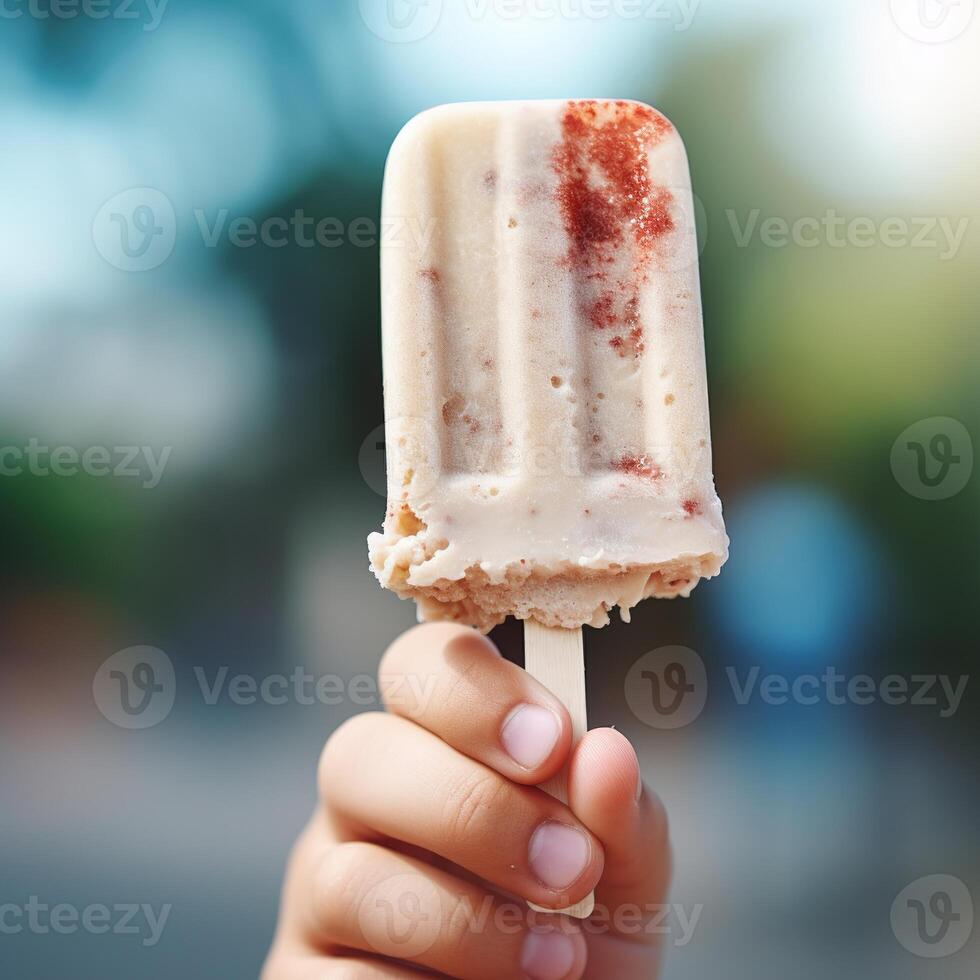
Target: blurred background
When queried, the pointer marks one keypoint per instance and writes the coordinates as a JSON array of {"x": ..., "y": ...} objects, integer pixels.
[{"x": 191, "y": 458}]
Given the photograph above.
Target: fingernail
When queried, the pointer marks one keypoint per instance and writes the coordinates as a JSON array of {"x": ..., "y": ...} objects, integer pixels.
[
  {"x": 639, "y": 786},
  {"x": 529, "y": 734},
  {"x": 547, "y": 955},
  {"x": 558, "y": 854}
]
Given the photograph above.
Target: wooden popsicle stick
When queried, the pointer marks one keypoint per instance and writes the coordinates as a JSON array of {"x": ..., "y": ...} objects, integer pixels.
[{"x": 556, "y": 657}]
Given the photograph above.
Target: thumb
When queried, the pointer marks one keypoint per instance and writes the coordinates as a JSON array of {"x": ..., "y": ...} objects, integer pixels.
[{"x": 606, "y": 794}]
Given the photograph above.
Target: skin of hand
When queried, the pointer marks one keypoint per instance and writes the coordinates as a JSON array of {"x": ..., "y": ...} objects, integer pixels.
[{"x": 431, "y": 835}]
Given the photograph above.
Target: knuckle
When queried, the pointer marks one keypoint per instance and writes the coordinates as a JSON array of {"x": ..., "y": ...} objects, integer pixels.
[
  {"x": 344, "y": 742},
  {"x": 403, "y": 691},
  {"x": 470, "y": 804},
  {"x": 415, "y": 694},
  {"x": 405, "y": 648},
  {"x": 390, "y": 668},
  {"x": 461, "y": 686},
  {"x": 399, "y": 650},
  {"x": 340, "y": 881}
]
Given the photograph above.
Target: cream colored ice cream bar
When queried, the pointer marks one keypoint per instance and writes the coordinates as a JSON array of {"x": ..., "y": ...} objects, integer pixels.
[{"x": 545, "y": 395}]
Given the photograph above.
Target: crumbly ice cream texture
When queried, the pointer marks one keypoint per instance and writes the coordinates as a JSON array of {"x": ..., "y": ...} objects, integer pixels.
[{"x": 546, "y": 403}]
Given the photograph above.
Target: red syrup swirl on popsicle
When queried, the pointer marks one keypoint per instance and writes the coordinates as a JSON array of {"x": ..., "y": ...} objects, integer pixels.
[{"x": 605, "y": 195}]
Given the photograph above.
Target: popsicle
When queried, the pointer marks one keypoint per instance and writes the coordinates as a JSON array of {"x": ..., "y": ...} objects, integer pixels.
[{"x": 546, "y": 408}]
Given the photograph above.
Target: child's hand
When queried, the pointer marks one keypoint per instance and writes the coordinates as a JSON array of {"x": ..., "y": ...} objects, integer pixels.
[{"x": 431, "y": 835}]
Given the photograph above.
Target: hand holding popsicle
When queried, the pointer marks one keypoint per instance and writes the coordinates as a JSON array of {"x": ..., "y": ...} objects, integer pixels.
[
  {"x": 545, "y": 394},
  {"x": 548, "y": 458},
  {"x": 432, "y": 835}
]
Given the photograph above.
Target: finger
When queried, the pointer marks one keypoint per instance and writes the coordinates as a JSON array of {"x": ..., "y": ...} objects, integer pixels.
[
  {"x": 293, "y": 956},
  {"x": 372, "y": 899},
  {"x": 452, "y": 681},
  {"x": 606, "y": 793},
  {"x": 383, "y": 774},
  {"x": 307, "y": 967},
  {"x": 611, "y": 955}
]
